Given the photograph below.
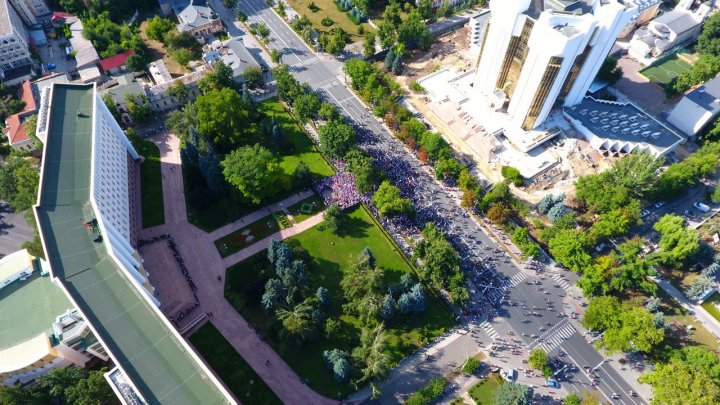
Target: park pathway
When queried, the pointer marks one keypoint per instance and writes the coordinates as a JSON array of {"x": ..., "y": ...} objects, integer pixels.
[{"x": 205, "y": 266}]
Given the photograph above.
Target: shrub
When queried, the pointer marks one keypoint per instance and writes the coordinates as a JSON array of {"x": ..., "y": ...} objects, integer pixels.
[
  {"x": 428, "y": 393},
  {"x": 327, "y": 21},
  {"x": 513, "y": 175},
  {"x": 556, "y": 212},
  {"x": 416, "y": 87},
  {"x": 471, "y": 366},
  {"x": 313, "y": 7}
]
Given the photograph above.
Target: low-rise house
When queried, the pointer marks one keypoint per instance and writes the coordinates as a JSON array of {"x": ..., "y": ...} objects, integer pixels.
[
  {"x": 116, "y": 63},
  {"x": 697, "y": 109},
  {"x": 199, "y": 20},
  {"x": 121, "y": 87},
  {"x": 233, "y": 53}
]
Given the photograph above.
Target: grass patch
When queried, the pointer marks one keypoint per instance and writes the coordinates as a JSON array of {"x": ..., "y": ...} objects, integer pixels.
[
  {"x": 662, "y": 72},
  {"x": 483, "y": 393},
  {"x": 223, "y": 209},
  {"x": 156, "y": 50},
  {"x": 151, "y": 193},
  {"x": 231, "y": 367},
  {"x": 331, "y": 256},
  {"x": 306, "y": 208},
  {"x": 246, "y": 236},
  {"x": 328, "y": 9}
]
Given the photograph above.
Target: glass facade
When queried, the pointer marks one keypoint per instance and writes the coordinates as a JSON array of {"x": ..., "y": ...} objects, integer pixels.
[
  {"x": 546, "y": 83},
  {"x": 514, "y": 59},
  {"x": 574, "y": 71}
]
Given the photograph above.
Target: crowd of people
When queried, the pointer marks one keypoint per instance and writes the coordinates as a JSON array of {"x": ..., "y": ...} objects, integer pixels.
[
  {"x": 340, "y": 188},
  {"x": 188, "y": 309}
]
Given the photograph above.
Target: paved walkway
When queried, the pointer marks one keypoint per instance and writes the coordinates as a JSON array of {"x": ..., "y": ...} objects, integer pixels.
[
  {"x": 204, "y": 265},
  {"x": 261, "y": 213},
  {"x": 700, "y": 313}
]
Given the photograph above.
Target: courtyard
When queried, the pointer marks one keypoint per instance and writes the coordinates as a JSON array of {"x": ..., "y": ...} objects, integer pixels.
[{"x": 665, "y": 70}]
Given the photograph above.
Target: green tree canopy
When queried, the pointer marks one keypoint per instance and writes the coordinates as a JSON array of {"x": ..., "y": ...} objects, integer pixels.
[
  {"x": 512, "y": 394},
  {"x": 254, "y": 172},
  {"x": 389, "y": 202},
  {"x": 253, "y": 77},
  {"x": 336, "y": 137},
  {"x": 158, "y": 26},
  {"x": 135, "y": 63},
  {"x": 361, "y": 165},
  {"x": 680, "y": 383},
  {"x": 677, "y": 241},
  {"x": 178, "y": 90},
  {"x": 610, "y": 71},
  {"x": 225, "y": 119},
  {"x": 219, "y": 78},
  {"x": 307, "y": 106},
  {"x": 625, "y": 326},
  {"x": 19, "y": 180},
  {"x": 569, "y": 248},
  {"x": 538, "y": 360}
]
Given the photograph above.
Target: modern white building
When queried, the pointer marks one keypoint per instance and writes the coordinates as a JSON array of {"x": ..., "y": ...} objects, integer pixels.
[
  {"x": 86, "y": 219},
  {"x": 14, "y": 51},
  {"x": 536, "y": 53},
  {"x": 697, "y": 108},
  {"x": 31, "y": 11}
]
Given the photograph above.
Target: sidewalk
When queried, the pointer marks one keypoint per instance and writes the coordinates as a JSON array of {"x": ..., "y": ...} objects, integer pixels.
[
  {"x": 707, "y": 320},
  {"x": 261, "y": 213},
  {"x": 262, "y": 244}
]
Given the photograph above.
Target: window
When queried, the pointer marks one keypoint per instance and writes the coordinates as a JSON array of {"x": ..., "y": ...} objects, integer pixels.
[{"x": 546, "y": 83}]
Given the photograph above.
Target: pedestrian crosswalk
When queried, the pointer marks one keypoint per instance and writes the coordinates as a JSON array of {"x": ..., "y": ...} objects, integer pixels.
[
  {"x": 516, "y": 279},
  {"x": 556, "y": 339},
  {"x": 304, "y": 62},
  {"x": 328, "y": 85},
  {"x": 561, "y": 281},
  {"x": 490, "y": 330}
]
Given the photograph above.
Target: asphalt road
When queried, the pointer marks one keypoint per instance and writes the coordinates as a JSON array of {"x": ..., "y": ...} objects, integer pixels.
[{"x": 467, "y": 235}]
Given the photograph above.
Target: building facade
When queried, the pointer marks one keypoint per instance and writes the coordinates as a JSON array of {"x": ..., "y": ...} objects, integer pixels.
[
  {"x": 199, "y": 20},
  {"x": 31, "y": 11},
  {"x": 697, "y": 108},
  {"x": 536, "y": 53},
  {"x": 14, "y": 51}
]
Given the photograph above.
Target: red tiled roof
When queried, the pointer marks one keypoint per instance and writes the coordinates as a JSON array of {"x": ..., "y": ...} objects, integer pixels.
[
  {"x": 15, "y": 129},
  {"x": 59, "y": 15},
  {"x": 116, "y": 60},
  {"x": 25, "y": 94}
]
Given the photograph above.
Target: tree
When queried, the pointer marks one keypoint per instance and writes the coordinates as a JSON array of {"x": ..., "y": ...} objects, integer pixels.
[
  {"x": 441, "y": 263},
  {"x": 361, "y": 165},
  {"x": 231, "y": 4},
  {"x": 677, "y": 242},
  {"x": 389, "y": 202},
  {"x": 512, "y": 175},
  {"x": 224, "y": 118},
  {"x": 371, "y": 354},
  {"x": 333, "y": 219},
  {"x": 512, "y": 394},
  {"x": 572, "y": 399},
  {"x": 538, "y": 360},
  {"x": 425, "y": 9},
  {"x": 499, "y": 213},
  {"x": 178, "y": 90},
  {"x": 135, "y": 63},
  {"x": 253, "y": 77},
  {"x": 242, "y": 17},
  {"x": 547, "y": 202},
  {"x": 19, "y": 180},
  {"x": 336, "y": 137},
  {"x": 334, "y": 41},
  {"x": 112, "y": 106},
  {"x": 413, "y": 301},
  {"x": 328, "y": 111},
  {"x": 680, "y": 383},
  {"x": 91, "y": 390},
  {"x": 556, "y": 212},
  {"x": 299, "y": 322},
  {"x": 610, "y": 71},
  {"x": 626, "y": 327},
  {"x": 59, "y": 380},
  {"x": 369, "y": 44},
  {"x": 307, "y": 106},
  {"x": 569, "y": 248},
  {"x": 337, "y": 361},
  {"x": 139, "y": 108},
  {"x": 448, "y": 168},
  {"x": 413, "y": 32},
  {"x": 157, "y": 27},
  {"x": 253, "y": 171},
  {"x": 219, "y": 78},
  {"x": 708, "y": 43},
  {"x": 387, "y": 309},
  {"x": 276, "y": 55}
]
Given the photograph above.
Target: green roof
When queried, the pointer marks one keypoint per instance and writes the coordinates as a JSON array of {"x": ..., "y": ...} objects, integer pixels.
[
  {"x": 28, "y": 308},
  {"x": 145, "y": 348}
]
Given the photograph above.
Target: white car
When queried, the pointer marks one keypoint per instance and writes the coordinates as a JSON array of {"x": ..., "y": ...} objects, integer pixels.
[
  {"x": 659, "y": 204},
  {"x": 644, "y": 213},
  {"x": 510, "y": 375},
  {"x": 701, "y": 207}
]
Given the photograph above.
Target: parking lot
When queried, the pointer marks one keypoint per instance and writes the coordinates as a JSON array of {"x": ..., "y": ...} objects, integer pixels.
[
  {"x": 54, "y": 53},
  {"x": 14, "y": 230}
]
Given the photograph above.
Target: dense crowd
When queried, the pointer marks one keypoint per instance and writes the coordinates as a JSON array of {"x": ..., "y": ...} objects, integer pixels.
[
  {"x": 184, "y": 312},
  {"x": 340, "y": 189}
]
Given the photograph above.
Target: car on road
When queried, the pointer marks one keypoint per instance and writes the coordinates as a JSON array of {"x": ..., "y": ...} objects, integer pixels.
[
  {"x": 51, "y": 66},
  {"x": 644, "y": 213},
  {"x": 552, "y": 384},
  {"x": 659, "y": 204},
  {"x": 701, "y": 207},
  {"x": 689, "y": 214},
  {"x": 510, "y": 375}
]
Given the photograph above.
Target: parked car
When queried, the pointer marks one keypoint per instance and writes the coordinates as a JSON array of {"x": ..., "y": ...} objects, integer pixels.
[
  {"x": 700, "y": 206},
  {"x": 659, "y": 204},
  {"x": 644, "y": 213},
  {"x": 51, "y": 66},
  {"x": 689, "y": 214},
  {"x": 510, "y": 375},
  {"x": 552, "y": 384}
]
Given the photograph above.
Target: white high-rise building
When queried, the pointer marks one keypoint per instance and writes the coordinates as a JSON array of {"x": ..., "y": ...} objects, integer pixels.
[
  {"x": 14, "y": 50},
  {"x": 536, "y": 53}
]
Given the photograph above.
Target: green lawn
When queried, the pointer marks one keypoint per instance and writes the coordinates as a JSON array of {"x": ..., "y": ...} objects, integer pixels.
[
  {"x": 221, "y": 210},
  {"x": 246, "y": 236},
  {"x": 313, "y": 205},
  {"x": 662, "y": 72},
  {"x": 239, "y": 377},
  {"x": 483, "y": 393},
  {"x": 331, "y": 255},
  {"x": 711, "y": 305},
  {"x": 151, "y": 193},
  {"x": 328, "y": 9}
]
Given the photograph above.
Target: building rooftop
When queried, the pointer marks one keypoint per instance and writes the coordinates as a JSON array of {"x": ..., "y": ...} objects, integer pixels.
[
  {"x": 124, "y": 85},
  {"x": 141, "y": 343},
  {"x": 5, "y": 25},
  {"x": 678, "y": 21},
  {"x": 233, "y": 53},
  {"x": 28, "y": 308},
  {"x": 116, "y": 60},
  {"x": 707, "y": 96},
  {"x": 85, "y": 53},
  {"x": 623, "y": 122},
  {"x": 196, "y": 14}
]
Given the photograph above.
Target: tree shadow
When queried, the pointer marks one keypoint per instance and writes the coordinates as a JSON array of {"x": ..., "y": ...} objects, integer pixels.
[{"x": 353, "y": 227}]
